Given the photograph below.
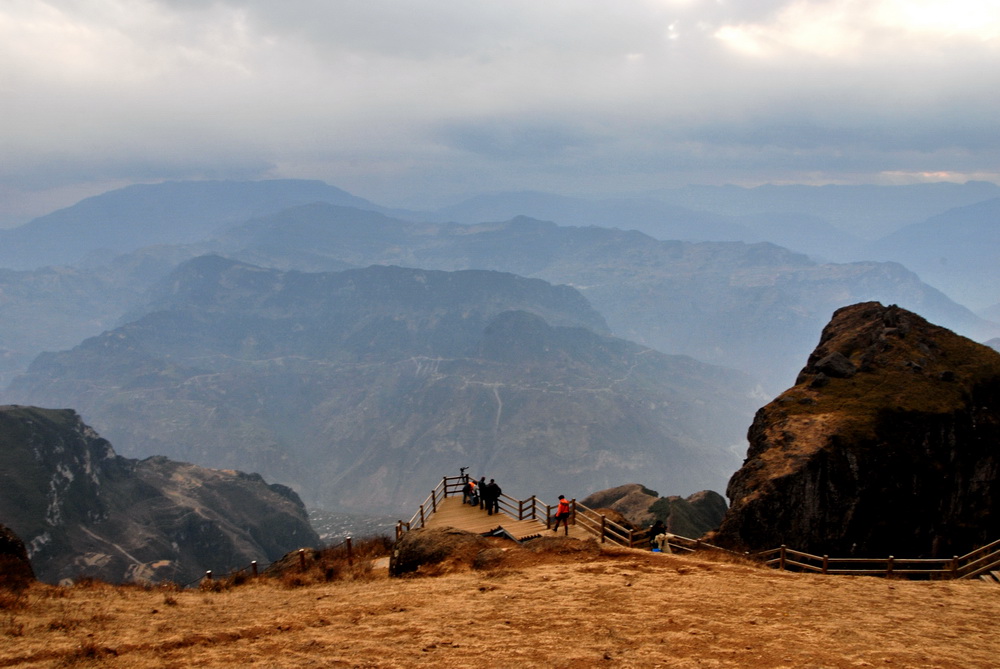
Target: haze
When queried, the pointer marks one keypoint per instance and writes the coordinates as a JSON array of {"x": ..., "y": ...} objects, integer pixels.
[{"x": 421, "y": 104}]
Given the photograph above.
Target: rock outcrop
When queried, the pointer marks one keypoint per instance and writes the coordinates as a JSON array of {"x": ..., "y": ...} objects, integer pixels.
[
  {"x": 82, "y": 510},
  {"x": 888, "y": 444},
  {"x": 691, "y": 516},
  {"x": 15, "y": 568}
]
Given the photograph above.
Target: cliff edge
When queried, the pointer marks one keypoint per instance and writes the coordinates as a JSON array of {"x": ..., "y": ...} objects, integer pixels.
[{"x": 887, "y": 444}]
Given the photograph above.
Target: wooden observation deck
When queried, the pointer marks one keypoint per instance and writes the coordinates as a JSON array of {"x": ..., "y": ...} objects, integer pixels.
[{"x": 520, "y": 520}]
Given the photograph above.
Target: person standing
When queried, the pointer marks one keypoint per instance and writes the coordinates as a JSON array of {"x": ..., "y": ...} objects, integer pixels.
[
  {"x": 495, "y": 493},
  {"x": 482, "y": 493},
  {"x": 562, "y": 514}
]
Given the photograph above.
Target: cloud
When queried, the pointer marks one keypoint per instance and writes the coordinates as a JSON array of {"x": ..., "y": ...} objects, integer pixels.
[{"x": 391, "y": 99}]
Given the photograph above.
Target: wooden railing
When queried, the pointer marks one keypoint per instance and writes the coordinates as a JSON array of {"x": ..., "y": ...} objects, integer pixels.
[{"x": 973, "y": 564}]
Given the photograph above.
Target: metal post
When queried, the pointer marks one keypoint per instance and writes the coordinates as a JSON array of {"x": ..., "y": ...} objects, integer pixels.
[
  {"x": 888, "y": 566},
  {"x": 302, "y": 559},
  {"x": 350, "y": 552},
  {"x": 826, "y": 563},
  {"x": 253, "y": 568},
  {"x": 208, "y": 575}
]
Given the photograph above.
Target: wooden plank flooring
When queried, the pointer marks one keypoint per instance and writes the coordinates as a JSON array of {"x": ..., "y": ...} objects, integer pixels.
[{"x": 452, "y": 513}]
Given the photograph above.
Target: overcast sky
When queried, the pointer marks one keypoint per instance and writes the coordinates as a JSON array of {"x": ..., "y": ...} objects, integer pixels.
[{"x": 412, "y": 102}]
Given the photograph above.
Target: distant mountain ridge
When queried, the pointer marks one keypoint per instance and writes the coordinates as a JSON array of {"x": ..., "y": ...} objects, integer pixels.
[
  {"x": 133, "y": 217},
  {"x": 754, "y": 307},
  {"x": 958, "y": 251},
  {"x": 359, "y": 387}
]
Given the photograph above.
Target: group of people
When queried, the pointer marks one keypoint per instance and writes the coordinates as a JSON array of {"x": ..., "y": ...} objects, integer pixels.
[{"x": 485, "y": 495}]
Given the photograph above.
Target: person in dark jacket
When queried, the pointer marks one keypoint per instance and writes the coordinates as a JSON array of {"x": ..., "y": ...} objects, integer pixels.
[
  {"x": 491, "y": 493},
  {"x": 482, "y": 492}
]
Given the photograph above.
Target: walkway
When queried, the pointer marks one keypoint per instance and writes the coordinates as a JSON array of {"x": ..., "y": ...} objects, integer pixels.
[{"x": 451, "y": 512}]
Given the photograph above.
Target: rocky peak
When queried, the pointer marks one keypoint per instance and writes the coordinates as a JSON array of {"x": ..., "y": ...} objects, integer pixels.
[{"x": 887, "y": 444}]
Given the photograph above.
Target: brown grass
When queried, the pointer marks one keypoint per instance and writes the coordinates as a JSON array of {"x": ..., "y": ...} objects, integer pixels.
[{"x": 522, "y": 608}]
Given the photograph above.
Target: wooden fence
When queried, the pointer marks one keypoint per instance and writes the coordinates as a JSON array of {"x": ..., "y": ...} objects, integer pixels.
[{"x": 979, "y": 562}]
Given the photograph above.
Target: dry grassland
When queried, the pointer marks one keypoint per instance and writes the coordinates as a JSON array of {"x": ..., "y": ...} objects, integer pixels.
[{"x": 603, "y": 608}]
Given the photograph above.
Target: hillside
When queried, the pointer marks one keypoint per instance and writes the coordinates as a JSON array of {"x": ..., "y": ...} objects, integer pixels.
[
  {"x": 360, "y": 389},
  {"x": 556, "y": 609},
  {"x": 84, "y": 511}
]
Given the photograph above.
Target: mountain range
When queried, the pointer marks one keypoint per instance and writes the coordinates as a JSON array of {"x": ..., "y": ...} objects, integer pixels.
[
  {"x": 210, "y": 329},
  {"x": 360, "y": 388}
]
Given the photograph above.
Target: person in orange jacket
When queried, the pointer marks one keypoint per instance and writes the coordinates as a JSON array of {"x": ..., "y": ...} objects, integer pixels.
[{"x": 562, "y": 514}]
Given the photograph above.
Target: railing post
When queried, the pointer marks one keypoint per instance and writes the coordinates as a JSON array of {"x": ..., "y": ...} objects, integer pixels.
[
  {"x": 548, "y": 517},
  {"x": 444, "y": 485},
  {"x": 208, "y": 575},
  {"x": 781, "y": 558},
  {"x": 534, "y": 503},
  {"x": 826, "y": 563},
  {"x": 434, "y": 499},
  {"x": 888, "y": 566},
  {"x": 302, "y": 559},
  {"x": 253, "y": 568},
  {"x": 421, "y": 515},
  {"x": 573, "y": 510},
  {"x": 630, "y": 541},
  {"x": 350, "y": 552},
  {"x": 954, "y": 566},
  {"x": 604, "y": 524},
  {"x": 520, "y": 509}
]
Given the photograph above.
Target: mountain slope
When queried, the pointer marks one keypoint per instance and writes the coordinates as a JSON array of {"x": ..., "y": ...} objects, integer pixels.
[
  {"x": 362, "y": 388},
  {"x": 82, "y": 510}
]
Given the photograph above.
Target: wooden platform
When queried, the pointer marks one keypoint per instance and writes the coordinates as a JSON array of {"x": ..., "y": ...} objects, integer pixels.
[{"x": 452, "y": 513}]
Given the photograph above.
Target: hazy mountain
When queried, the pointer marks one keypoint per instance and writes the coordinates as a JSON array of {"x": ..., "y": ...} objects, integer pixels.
[
  {"x": 82, "y": 510},
  {"x": 742, "y": 305},
  {"x": 362, "y": 388},
  {"x": 651, "y": 216},
  {"x": 866, "y": 211},
  {"x": 957, "y": 251},
  {"x": 756, "y": 307},
  {"x": 144, "y": 215},
  {"x": 804, "y": 233}
]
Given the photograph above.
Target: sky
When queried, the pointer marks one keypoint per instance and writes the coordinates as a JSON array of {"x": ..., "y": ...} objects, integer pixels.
[{"x": 424, "y": 102}]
